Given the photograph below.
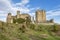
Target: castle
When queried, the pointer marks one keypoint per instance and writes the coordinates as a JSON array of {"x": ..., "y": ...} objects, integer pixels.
[{"x": 40, "y": 17}]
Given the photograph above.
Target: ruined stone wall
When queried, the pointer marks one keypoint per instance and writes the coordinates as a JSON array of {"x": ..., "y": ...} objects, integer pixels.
[
  {"x": 24, "y": 16},
  {"x": 10, "y": 17}
]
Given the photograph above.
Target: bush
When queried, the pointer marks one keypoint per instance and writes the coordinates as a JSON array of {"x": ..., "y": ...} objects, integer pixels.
[
  {"x": 54, "y": 27},
  {"x": 39, "y": 28},
  {"x": 22, "y": 29},
  {"x": 32, "y": 26},
  {"x": 14, "y": 20},
  {"x": 3, "y": 37},
  {"x": 20, "y": 20}
]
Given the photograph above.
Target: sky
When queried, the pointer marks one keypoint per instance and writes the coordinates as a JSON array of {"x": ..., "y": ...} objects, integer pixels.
[{"x": 52, "y": 8}]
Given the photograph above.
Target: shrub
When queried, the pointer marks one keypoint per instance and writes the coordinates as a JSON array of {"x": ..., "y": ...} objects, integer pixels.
[
  {"x": 22, "y": 29},
  {"x": 32, "y": 26},
  {"x": 54, "y": 27},
  {"x": 20, "y": 20},
  {"x": 3, "y": 37},
  {"x": 14, "y": 20}
]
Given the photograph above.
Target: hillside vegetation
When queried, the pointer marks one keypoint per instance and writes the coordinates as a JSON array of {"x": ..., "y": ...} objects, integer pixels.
[{"x": 30, "y": 32}]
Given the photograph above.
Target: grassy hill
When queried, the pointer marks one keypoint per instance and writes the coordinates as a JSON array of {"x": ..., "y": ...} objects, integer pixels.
[{"x": 31, "y": 32}]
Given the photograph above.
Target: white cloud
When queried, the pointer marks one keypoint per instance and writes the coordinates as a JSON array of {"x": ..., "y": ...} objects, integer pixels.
[
  {"x": 7, "y": 6},
  {"x": 55, "y": 12},
  {"x": 22, "y": 3}
]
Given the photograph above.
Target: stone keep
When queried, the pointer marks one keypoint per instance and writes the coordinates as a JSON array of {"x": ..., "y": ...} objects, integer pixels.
[{"x": 40, "y": 16}]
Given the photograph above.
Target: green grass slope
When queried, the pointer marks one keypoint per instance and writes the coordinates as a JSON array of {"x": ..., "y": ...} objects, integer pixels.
[{"x": 33, "y": 32}]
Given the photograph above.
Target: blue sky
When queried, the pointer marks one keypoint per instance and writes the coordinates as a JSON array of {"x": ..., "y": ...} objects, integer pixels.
[
  {"x": 43, "y": 4},
  {"x": 52, "y": 8}
]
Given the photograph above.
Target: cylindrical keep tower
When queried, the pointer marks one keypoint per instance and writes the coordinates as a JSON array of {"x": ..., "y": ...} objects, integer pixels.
[{"x": 9, "y": 18}]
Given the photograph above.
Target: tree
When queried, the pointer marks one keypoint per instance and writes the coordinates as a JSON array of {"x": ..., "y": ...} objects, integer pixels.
[
  {"x": 20, "y": 20},
  {"x": 51, "y": 20},
  {"x": 14, "y": 20}
]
